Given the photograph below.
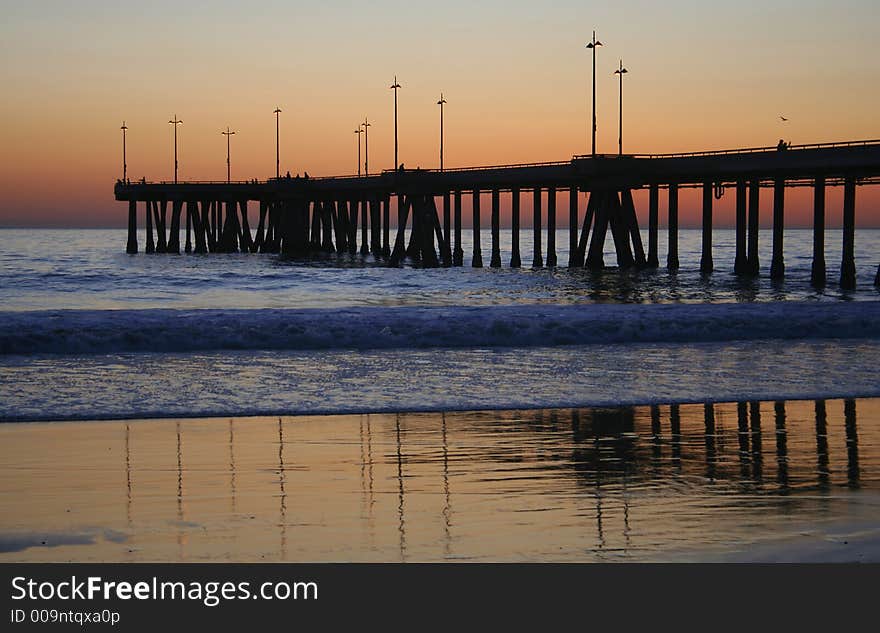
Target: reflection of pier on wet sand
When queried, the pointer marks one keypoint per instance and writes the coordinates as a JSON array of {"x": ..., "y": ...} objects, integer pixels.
[{"x": 642, "y": 483}]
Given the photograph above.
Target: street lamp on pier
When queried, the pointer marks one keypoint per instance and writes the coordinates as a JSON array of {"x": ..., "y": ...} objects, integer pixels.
[
  {"x": 365, "y": 125},
  {"x": 620, "y": 72},
  {"x": 594, "y": 44},
  {"x": 227, "y": 134},
  {"x": 124, "y": 164},
  {"x": 277, "y": 146},
  {"x": 175, "y": 122},
  {"x": 441, "y": 103}
]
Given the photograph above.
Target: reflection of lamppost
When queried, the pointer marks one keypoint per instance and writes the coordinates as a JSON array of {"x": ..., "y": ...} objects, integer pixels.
[
  {"x": 593, "y": 45},
  {"x": 359, "y": 131},
  {"x": 440, "y": 103},
  {"x": 366, "y": 124},
  {"x": 277, "y": 146},
  {"x": 175, "y": 123},
  {"x": 395, "y": 87},
  {"x": 620, "y": 72},
  {"x": 124, "y": 165},
  {"x": 227, "y": 134}
]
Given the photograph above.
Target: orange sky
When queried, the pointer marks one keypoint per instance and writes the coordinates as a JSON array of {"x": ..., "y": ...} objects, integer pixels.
[{"x": 515, "y": 74}]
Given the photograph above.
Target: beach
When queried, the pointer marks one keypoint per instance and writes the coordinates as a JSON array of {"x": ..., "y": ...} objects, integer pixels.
[{"x": 642, "y": 483}]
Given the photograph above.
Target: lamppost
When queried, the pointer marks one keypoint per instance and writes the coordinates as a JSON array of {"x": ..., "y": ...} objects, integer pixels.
[
  {"x": 395, "y": 87},
  {"x": 124, "y": 164},
  {"x": 227, "y": 134},
  {"x": 594, "y": 44},
  {"x": 175, "y": 122},
  {"x": 277, "y": 146},
  {"x": 366, "y": 124},
  {"x": 359, "y": 131},
  {"x": 440, "y": 103},
  {"x": 620, "y": 72}
]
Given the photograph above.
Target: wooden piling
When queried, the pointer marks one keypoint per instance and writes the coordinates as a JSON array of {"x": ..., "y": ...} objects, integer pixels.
[
  {"x": 653, "y": 260},
  {"x": 447, "y": 230},
  {"x": 161, "y": 209},
  {"x": 619, "y": 231},
  {"x": 375, "y": 228},
  {"x": 397, "y": 255},
  {"x": 573, "y": 229},
  {"x": 260, "y": 239},
  {"x": 537, "y": 258},
  {"x": 596, "y": 256},
  {"x": 753, "y": 266},
  {"x": 365, "y": 247},
  {"x": 817, "y": 273},
  {"x": 672, "y": 254},
  {"x": 777, "y": 263},
  {"x": 631, "y": 222},
  {"x": 551, "y": 227},
  {"x": 848, "y": 264},
  {"x": 496, "y": 225},
  {"x": 741, "y": 262},
  {"x": 148, "y": 221},
  {"x": 352, "y": 226},
  {"x": 131, "y": 246},
  {"x": 198, "y": 228},
  {"x": 174, "y": 235},
  {"x": 515, "y": 260},
  {"x": 589, "y": 216},
  {"x": 386, "y": 226},
  {"x": 477, "y": 260},
  {"x": 188, "y": 246},
  {"x": 246, "y": 240},
  {"x": 458, "y": 253},
  {"x": 706, "y": 263}
]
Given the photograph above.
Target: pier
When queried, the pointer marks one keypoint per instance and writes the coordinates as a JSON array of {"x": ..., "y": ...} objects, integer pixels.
[{"x": 351, "y": 214}]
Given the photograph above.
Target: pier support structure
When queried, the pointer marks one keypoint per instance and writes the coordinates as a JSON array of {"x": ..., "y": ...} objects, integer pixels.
[{"x": 817, "y": 273}]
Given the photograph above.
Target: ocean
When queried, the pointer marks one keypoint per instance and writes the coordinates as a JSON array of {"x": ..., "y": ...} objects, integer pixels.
[{"x": 534, "y": 388}]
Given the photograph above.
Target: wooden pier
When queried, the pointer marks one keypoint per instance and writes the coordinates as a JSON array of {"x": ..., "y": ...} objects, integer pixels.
[{"x": 298, "y": 216}]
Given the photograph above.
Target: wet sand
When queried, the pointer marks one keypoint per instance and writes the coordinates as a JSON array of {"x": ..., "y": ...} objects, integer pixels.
[{"x": 791, "y": 481}]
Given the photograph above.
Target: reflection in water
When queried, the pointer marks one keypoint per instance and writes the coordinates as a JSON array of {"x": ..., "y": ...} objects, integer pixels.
[
  {"x": 578, "y": 484},
  {"x": 401, "y": 492},
  {"x": 447, "y": 506},
  {"x": 282, "y": 475},
  {"x": 781, "y": 445},
  {"x": 181, "y": 535},
  {"x": 852, "y": 443},
  {"x": 823, "y": 468},
  {"x": 232, "y": 466}
]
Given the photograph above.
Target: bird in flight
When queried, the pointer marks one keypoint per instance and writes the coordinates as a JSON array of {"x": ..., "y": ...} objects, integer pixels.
[{"x": 783, "y": 118}]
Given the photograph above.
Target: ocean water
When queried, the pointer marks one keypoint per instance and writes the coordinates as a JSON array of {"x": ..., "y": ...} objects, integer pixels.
[
  {"x": 90, "y": 332},
  {"x": 249, "y": 407}
]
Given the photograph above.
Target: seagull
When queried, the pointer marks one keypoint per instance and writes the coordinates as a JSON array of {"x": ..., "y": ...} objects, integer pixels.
[{"x": 783, "y": 118}]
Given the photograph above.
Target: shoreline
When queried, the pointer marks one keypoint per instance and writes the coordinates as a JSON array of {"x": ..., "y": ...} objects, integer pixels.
[{"x": 757, "y": 481}]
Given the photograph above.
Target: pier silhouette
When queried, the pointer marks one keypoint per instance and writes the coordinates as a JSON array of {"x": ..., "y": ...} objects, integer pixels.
[{"x": 301, "y": 216}]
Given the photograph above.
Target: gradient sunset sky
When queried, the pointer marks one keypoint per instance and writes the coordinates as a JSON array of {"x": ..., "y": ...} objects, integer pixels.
[{"x": 702, "y": 75}]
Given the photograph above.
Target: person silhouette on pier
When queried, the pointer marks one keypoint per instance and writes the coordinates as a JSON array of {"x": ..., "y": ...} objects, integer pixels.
[{"x": 781, "y": 146}]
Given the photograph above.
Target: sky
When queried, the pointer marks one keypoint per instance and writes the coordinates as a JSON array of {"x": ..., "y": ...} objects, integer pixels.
[{"x": 516, "y": 77}]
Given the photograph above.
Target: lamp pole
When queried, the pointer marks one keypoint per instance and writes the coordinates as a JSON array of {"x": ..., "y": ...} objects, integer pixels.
[
  {"x": 175, "y": 122},
  {"x": 124, "y": 164},
  {"x": 359, "y": 131},
  {"x": 395, "y": 87},
  {"x": 594, "y": 44},
  {"x": 440, "y": 103},
  {"x": 366, "y": 124},
  {"x": 227, "y": 134},
  {"x": 620, "y": 72},
  {"x": 277, "y": 146}
]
